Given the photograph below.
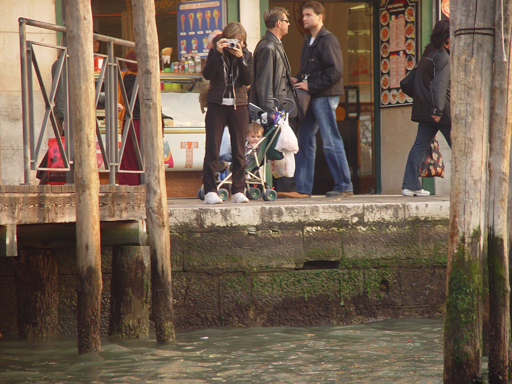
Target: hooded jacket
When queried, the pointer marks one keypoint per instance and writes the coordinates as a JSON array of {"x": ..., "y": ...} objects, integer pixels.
[
  {"x": 322, "y": 63},
  {"x": 272, "y": 76},
  {"x": 218, "y": 68},
  {"x": 431, "y": 91}
]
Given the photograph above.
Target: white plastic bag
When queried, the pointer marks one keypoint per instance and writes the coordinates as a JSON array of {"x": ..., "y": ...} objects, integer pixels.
[
  {"x": 287, "y": 141},
  {"x": 284, "y": 167}
]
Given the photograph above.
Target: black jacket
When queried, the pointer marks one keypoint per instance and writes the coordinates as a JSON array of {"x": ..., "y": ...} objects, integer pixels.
[
  {"x": 323, "y": 63},
  {"x": 272, "y": 76},
  {"x": 216, "y": 70},
  {"x": 431, "y": 92}
]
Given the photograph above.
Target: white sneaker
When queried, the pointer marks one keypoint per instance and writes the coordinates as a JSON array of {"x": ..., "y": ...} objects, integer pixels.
[
  {"x": 239, "y": 198},
  {"x": 419, "y": 192},
  {"x": 212, "y": 198}
]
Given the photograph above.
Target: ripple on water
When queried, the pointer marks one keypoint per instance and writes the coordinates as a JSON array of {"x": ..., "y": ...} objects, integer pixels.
[{"x": 393, "y": 351}]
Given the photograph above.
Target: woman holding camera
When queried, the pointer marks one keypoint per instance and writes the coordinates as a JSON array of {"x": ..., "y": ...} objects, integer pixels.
[{"x": 229, "y": 69}]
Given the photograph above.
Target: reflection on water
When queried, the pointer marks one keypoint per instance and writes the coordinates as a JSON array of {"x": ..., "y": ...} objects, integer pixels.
[{"x": 392, "y": 351}]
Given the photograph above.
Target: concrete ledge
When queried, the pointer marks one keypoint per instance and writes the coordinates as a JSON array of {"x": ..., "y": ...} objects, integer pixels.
[{"x": 191, "y": 213}]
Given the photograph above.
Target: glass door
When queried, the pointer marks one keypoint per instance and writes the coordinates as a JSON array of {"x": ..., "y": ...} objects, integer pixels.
[{"x": 359, "y": 76}]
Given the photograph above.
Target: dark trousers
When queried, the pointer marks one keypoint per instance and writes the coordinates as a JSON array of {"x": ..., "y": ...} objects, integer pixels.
[
  {"x": 237, "y": 120},
  {"x": 426, "y": 133}
]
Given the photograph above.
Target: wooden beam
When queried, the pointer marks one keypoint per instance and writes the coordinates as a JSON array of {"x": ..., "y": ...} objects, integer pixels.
[
  {"x": 499, "y": 174},
  {"x": 146, "y": 48},
  {"x": 37, "y": 293},
  {"x": 130, "y": 292},
  {"x": 37, "y": 204},
  {"x": 113, "y": 233},
  {"x": 471, "y": 75},
  {"x": 81, "y": 103},
  {"x": 8, "y": 241}
]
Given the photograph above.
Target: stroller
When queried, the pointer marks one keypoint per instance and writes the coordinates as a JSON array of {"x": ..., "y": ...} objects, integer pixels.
[{"x": 256, "y": 185}]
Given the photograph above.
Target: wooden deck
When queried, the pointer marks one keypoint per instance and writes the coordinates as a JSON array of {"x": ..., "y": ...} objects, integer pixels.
[{"x": 45, "y": 216}]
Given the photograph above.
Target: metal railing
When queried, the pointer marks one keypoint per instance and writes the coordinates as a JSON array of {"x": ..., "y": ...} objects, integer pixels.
[{"x": 109, "y": 80}]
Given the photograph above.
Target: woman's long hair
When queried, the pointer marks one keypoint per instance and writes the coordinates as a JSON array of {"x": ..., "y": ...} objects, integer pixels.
[
  {"x": 439, "y": 36},
  {"x": 235, "y": 30}
]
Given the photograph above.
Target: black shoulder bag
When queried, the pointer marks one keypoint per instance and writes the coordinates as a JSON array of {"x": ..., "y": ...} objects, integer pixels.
[{"x": 407, "y": 83}]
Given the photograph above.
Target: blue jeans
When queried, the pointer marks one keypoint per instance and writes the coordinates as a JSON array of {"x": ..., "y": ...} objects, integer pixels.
[
  {"x": 426, "y": 133},
  {"x": 321, "y": 115}
]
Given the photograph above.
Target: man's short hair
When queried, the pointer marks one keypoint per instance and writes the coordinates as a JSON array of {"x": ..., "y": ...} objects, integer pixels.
[
  {"x": 317, "y": 8},
  {"x": 255, "y": 128},
  {"x": 273, "y": 15}
]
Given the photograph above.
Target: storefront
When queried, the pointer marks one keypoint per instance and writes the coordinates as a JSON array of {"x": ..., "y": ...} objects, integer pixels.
[{"x": 380, "y": 42}]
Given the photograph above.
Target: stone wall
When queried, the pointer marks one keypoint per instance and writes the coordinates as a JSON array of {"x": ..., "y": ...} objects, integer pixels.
[
  {"x": 11, "y": 124},
  {"x": 285, "y": 265}
]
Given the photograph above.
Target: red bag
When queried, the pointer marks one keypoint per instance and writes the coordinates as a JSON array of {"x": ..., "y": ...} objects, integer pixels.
[{"x": 55, "y": 161}]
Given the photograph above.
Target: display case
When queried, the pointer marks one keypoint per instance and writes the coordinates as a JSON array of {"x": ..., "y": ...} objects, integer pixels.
[
  {"x": 183, "y": 122},
  {"x": 184, "y": 135}
]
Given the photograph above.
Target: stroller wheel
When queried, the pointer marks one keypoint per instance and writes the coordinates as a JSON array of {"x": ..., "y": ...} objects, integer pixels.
[
  {"x": 200, "y": 193},
  {"x": 254, "y": 193},
  {"x": 223, "y": 194},
  {"x": 269, "y": 195}
]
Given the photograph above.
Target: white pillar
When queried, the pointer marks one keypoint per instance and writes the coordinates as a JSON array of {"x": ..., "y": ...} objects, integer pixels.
[{"x": 250, "y": 19}]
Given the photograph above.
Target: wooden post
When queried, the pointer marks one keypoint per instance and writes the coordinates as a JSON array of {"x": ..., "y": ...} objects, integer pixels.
[
  {"x": 130, "y": 292},
  {"x": 146, "y": 49},
  {"x": 471, "y": 71},
  {"x": 81, "y": 103},
  {"x": 38, "y": 293},
  {"x": 499, "y": 167}
]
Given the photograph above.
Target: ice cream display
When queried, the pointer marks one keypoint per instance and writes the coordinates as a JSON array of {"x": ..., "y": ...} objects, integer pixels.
[
  {"x": 182, "y": 18},
  {"x": 205, "y": 42},
  {"x": 183, "y": 44},
  {"x": 194, "y": 43},
  {"x": 191, "y": 19},
  {"x": 216, "y": 15},
  {"x": 208, "y": 16},
  {"x": 199, "y": 16}
]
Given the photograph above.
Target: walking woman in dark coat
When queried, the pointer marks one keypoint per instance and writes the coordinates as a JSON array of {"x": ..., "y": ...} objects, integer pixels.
[
  {"x": 431, "y": 104},
  {"x": 229, "y": 69}
]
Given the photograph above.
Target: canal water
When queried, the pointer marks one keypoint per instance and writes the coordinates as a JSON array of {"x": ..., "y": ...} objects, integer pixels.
[{"x": 391, "y": 351}]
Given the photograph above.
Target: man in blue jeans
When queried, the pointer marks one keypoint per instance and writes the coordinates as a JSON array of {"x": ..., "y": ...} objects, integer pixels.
[{"x": 321, "y": 74}]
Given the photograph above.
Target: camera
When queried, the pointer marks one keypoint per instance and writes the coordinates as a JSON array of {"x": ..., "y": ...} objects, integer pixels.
[{"x": 232, "y": 43}]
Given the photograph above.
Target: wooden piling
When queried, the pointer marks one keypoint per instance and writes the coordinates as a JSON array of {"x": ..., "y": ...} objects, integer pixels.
[
  {"x": 146, "y": 49},
  {"x": 130, "y": 292},
  {"x": 37, "y": 293},
  {"x": 499, "y": 171},
  {"x": 81, "y": 101},
  {"x": 471, "y": 73}
]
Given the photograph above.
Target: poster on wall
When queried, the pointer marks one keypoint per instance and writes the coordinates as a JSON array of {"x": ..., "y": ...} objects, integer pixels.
[
  {"x": 196, "y": 20},
  {"x": 398, "y": 49}
]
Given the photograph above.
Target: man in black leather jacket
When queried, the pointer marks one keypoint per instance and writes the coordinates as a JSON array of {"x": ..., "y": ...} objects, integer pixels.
[{"x": 272, "y": 79}]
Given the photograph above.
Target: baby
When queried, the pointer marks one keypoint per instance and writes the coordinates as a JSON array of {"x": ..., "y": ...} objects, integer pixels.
[{"x": 254, "y": 135}]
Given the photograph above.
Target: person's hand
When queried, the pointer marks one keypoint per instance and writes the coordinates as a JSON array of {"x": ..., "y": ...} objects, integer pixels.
[
  {"x": 237, "y": 52},
  {"x": 302, "y": 85},
  {"x": 294, "y": 80},
  {"x": 221, "y": 44},
  {"x": 119, "y": 107},
  {"x": 436, "y": 118}
]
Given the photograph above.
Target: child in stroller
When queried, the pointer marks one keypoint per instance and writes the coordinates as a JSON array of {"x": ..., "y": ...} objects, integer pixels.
[{"x": 262, "y": 136}]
